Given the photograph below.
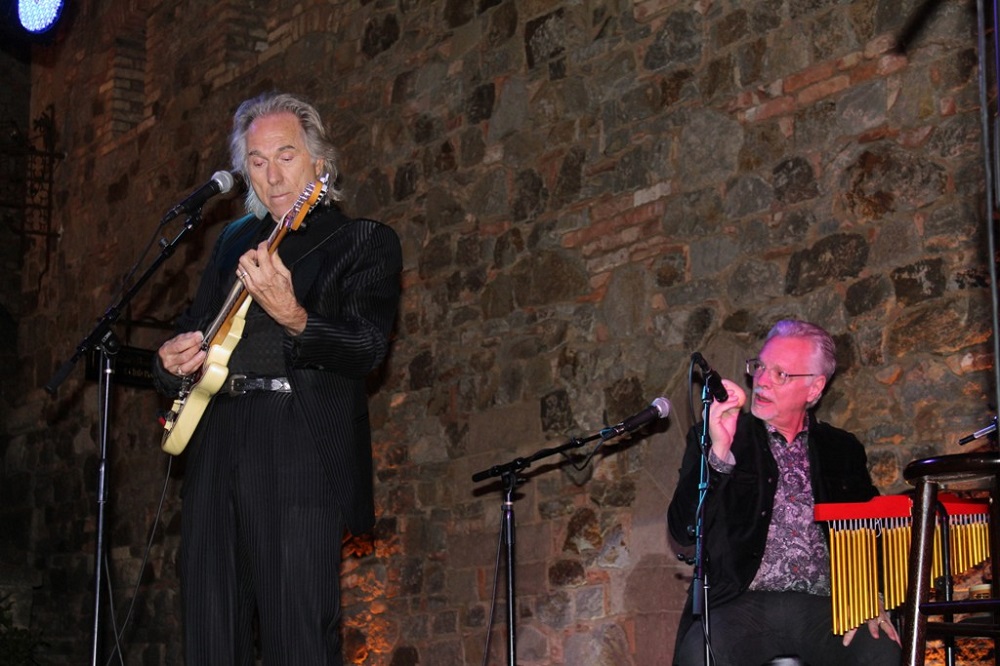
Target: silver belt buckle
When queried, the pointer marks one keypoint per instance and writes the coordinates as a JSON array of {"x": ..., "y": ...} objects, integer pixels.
[{"x": 231, "y": 388}]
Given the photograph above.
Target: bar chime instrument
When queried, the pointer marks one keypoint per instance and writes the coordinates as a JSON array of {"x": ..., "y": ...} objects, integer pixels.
[{"x": 869, "y": 550}]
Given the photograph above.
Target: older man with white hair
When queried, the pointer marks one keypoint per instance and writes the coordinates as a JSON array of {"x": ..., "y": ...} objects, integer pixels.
[{"x": 767, "y": 561}]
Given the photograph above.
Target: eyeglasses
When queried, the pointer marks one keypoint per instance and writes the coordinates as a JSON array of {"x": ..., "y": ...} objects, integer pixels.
[{"x": 777, "y": 377}]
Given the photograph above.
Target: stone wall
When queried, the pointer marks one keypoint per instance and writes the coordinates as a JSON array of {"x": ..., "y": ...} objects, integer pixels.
[
  {"x": 587, "y": 192},
  {"x": 17, "y": 577}
]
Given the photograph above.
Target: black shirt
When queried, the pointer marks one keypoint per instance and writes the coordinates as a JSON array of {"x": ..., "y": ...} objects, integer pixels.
[{"x": 259, "y": 352}]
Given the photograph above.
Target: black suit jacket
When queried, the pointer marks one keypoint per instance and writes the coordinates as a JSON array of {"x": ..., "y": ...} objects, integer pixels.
[{"x": 349, "y": 283}]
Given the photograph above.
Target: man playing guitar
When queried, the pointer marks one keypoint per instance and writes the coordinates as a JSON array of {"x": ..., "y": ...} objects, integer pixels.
[{"x": 280, "y": 465}]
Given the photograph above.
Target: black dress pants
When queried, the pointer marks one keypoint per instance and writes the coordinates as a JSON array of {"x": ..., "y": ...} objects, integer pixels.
[
  {"x": 758, "y": 627},
  {"x": 261, "y": 533}
]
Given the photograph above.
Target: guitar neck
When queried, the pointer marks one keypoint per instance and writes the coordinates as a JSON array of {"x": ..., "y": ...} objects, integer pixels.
[
  {"x": 216, "y": 331},
  {"x": 219, "y": 327}
]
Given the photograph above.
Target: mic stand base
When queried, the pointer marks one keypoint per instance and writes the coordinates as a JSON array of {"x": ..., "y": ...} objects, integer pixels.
[
  {"x": 508, "y": 473},
  {"x": 103, "y": 338}
]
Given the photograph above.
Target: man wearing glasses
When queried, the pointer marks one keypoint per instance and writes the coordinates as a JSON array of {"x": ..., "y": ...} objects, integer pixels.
[{"x": 767, "y": 561}]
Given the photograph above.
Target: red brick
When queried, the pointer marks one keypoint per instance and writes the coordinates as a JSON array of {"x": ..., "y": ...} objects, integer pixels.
[
  {"x": 891, "y": 62},
  {"x": 877, "y": 134},
  {"x": 775, "y": 107},
  {"x": 807, "y": 77},
  {"x": 864, "y": 72},
  {"x": 823, "y": 89}
]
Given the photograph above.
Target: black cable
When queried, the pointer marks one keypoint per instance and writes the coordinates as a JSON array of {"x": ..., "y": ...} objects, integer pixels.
[{"x": 118, "y": 651}]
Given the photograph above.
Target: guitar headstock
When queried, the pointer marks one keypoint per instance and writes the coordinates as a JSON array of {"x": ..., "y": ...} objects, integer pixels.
[{"x": 306, "y": 201}]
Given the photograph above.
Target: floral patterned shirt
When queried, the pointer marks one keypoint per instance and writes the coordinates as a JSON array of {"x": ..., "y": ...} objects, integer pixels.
[{"x": 795, "y": 556}]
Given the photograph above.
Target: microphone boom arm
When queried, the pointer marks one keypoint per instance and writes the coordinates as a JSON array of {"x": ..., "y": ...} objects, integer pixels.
[
  {"x": 658, "y": 409},
  {"x": 102, "y": 334},
  {"x": 517, "y": 464}
]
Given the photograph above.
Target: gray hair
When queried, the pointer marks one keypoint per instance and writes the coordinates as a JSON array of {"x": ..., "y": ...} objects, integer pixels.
[
  {"x": 319, "y": 146},
  {"x": 825, "y": 350}
]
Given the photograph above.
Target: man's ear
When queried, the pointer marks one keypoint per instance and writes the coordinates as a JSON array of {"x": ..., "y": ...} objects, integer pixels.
[{"x": 816, "y": 388}]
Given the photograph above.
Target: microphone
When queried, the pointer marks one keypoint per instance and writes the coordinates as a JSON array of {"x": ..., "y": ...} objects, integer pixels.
[
  {"x": 658, "y": 409},
  {"x": 221, "y": 182},
  {"x": 713, "y": 382},
  {"x": 982, "y": 432}
]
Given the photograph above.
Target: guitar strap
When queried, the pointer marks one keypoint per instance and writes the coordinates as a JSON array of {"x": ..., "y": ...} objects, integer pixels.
[
  {"x": 302, "y": 278},
  {"x": 313, "y": 237},
  {"x": 249, "y": 231}
]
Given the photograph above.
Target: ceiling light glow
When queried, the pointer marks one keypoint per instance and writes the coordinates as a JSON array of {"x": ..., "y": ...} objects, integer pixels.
[{"x": 39, "y": 15}]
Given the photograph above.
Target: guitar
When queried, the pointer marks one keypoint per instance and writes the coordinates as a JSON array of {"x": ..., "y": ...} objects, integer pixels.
[{"x": 224, "y": 333}]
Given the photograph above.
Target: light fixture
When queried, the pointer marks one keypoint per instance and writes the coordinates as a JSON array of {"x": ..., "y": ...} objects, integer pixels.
[{"x": 37, "y": 16}]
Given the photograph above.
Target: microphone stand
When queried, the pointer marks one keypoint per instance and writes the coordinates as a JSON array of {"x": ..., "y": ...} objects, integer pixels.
[
  {"x": 508, "y": 473},
  {"x": 699, "y": 585},
  {"x": 104, "y": 340}
]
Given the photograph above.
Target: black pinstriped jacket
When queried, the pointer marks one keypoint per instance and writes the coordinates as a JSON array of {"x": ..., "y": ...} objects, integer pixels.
[{"x": 350, "y": 286}]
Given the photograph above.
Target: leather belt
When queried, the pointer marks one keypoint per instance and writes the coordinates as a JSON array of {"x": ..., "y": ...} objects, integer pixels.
[{"x": 240, "y": 384}]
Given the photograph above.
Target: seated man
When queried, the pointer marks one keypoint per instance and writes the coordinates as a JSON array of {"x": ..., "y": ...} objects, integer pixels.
[{"x": 767, "y": 561}]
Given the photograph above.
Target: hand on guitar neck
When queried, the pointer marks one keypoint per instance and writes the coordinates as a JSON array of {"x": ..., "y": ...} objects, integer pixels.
[{"x": 269, "y": 283}]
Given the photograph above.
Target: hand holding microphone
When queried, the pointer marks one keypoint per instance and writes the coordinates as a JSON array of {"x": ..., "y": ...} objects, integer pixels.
[
  {"x": 713, "y": 382},
  {"x": 729, "y": 400},
  {"x": 723, "y": 417}
]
